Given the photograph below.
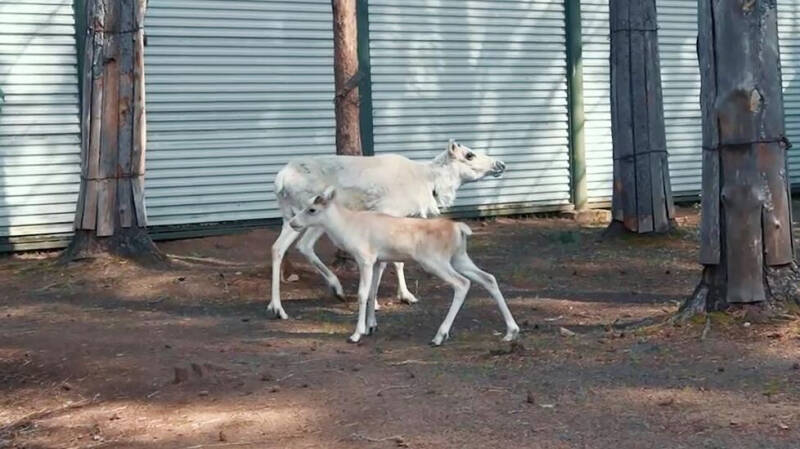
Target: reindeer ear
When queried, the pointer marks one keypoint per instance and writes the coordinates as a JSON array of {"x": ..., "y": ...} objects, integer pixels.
[{"x": 452, "y": 148}]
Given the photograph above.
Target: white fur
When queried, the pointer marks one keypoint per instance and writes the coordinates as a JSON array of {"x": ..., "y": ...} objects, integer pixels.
[
  {"x": 390, "y": 184},
  {"x": 440, "y": 246}
]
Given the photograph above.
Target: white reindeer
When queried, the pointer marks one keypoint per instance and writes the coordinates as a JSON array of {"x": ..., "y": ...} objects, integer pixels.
[
  {"x": 439, "y": 245},
  {"x": 389, "y": 183}
]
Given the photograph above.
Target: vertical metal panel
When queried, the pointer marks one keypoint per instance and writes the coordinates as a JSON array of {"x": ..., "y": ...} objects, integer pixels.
[
  {"x": 491, "y": 74},
  {"x": 680, "y": 80},
  {"x": 680, "y": 77},
  {"x": 234, "y": 90},
  {"x": 789, "y": 35},
  {"x": 39, "y": 122}
]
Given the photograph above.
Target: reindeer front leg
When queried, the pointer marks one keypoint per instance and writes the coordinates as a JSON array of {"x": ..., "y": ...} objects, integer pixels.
[
  {"x": 403, "y": 293},
  {"x": 365, "y": 269}
]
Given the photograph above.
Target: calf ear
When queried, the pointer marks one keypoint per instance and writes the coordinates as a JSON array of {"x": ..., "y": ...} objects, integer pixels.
[{"x": 329, "y": 193}]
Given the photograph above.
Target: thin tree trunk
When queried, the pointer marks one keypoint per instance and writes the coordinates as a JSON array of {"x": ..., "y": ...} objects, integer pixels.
[
  {"x": 110, "y": 215},
  {"x": 642, "y": 197},
  {"x": 346, "y": 77},
  {"x": 746, "y": 242}
]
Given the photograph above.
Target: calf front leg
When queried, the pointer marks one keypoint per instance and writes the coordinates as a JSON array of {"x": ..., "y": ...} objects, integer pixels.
[
  {"x": 372, "y": 304},
  {"x": 364, "y": 285},
  {"x": 306, "y": 247},
  {"x": 402, "y": 289}
]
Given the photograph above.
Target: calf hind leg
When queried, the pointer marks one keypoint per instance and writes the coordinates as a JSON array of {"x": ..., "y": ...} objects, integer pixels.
[
  {"x": 464, "y": 265},
  {"x": 460, "y": 285}
]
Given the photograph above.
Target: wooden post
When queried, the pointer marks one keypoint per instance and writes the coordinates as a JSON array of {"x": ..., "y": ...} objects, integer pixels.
[
  {"x": 110, "y": 215},
  {"x": 346, "y": 77},
  {"x": 746, "y": 242},
  {"x": 642, "y": 197},
  {"x": 577, "y": 133}
]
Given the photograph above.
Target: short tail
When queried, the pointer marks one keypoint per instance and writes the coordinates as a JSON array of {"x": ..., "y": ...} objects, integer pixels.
[
  {"x": 279, "y": 182},
  {"x": 465, "y": 230}
]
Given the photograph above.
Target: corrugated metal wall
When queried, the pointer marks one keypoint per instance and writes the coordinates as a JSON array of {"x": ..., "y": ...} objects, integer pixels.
[
  {"x": 680, "y": 79},
  {"x": 234, "y": 89},
  {"x": 39, "y": 123},
  {"x": 789, "y": 30},
  {"x": 491, "y": 74}
]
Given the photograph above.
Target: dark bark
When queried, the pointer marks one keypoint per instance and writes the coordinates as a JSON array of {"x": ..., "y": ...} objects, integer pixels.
[
  {"x": 746, "y": 229},
  {"x": 110, "y": 215},
  {"x": 642, "y": 199},
  {"x": 346, "y": 77}
]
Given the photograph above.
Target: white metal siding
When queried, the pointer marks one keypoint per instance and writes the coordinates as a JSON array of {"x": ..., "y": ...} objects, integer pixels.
[
  {"x": 789, "y": 34},
  {"x": 39, "y": 122},
  {"x": 234, "y": 89},
  {"x": 596, "y": 98},
  {"x": 491, "y": 74},
  {"x": 680, "y": 78}
]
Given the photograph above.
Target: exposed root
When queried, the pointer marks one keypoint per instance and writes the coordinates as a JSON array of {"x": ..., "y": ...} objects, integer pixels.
[{"x": 132, "y": 244}]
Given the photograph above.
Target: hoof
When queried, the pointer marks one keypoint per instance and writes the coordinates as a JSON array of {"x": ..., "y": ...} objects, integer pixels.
[
  {"x": 408, "y": 298},
  {"x": 354, "y": 339},
  {"x": 338, "y": 293},
  {"x": 372, "y": 330},
  {"x": 439, "y": 339},
  {"x": 277, "y": 312},
  {"x": 512, "y": 334}
]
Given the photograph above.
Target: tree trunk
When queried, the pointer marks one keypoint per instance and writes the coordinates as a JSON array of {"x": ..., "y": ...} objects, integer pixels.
[
  {"x": 642, "y": 197},
  {"x": 110, "y": 215},
  {"x": 346, "y": 77},
  {"x": 746, "y": 243}
]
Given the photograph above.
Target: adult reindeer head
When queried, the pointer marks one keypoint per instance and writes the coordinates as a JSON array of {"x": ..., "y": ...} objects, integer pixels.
[{"x": 470, "y": 165}]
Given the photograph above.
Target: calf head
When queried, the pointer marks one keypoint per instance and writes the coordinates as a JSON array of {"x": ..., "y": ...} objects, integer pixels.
[{"x": 315, "y": 213}]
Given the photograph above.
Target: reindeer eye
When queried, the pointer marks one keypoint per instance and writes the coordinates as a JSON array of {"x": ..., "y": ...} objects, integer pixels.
[
  {"x": 470, "y": 156},
  {"x": 312, "y": 211}
]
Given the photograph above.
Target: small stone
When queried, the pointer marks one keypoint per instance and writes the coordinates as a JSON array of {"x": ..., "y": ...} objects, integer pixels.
[
  {"x": 266, "y": 377},
  {"x": 275, "y": 389},
  {"x": 530, "y": 399},
  {"x": 222, "y": 436},
  {"x": 181, "y": 375},
  {"x": 66, "y": 387},
  {"x": 293, "y": 278},
  {"x": 114, "y": 417},
  {"x": 720, "y": 369},
  {"x": 198, "y": 370},
  {"x": 356, "y": 368},
  {"x": 747, "y": 324},
  {"x": 796, "y": 366},
  {"x": 203, "y": 393},
  {"x": 666, "y": 402},
  {"x": 566, "y": 332}
]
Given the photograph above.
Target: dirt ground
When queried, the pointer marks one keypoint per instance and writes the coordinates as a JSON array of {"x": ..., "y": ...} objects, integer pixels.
[{"x": 107, "y": 354}]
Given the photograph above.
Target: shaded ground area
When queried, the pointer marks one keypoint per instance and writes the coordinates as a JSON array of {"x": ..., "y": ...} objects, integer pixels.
[{"x": 104, "y": 354}]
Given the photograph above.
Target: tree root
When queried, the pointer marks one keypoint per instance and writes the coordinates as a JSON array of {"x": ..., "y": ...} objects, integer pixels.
[{"x": 132, "y": 243}]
